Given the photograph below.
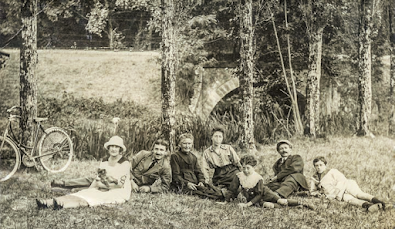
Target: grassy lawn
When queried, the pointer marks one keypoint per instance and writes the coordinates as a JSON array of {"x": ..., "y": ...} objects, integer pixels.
[
  {"x": 89, "y": 74},
  {"x": 368, "y": 161}
]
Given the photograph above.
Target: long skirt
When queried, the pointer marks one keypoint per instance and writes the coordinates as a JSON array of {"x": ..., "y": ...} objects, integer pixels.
[{"x": 223, "y": 176}]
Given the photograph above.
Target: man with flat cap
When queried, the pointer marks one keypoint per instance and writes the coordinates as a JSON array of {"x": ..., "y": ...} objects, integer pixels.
[{"x": 288, "y": 171}]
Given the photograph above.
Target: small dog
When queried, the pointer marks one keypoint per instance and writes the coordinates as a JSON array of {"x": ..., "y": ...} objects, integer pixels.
[{"x": 106, "y": 180}]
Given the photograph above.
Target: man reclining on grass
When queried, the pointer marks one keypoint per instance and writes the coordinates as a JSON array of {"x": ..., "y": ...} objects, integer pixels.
[
  {"x": 150, "y": 171},
  {"x": 334, "y": 185},
  {"x": 288, "y": 172},
  {"x": 248, "y": 188}
]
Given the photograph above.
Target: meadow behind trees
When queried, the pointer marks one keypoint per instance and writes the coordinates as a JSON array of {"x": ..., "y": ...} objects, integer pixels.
[{"x": 80, "y": 92}]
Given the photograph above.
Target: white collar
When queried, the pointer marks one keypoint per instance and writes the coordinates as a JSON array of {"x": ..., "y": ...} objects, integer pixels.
[{"x": 249, "y": 181}]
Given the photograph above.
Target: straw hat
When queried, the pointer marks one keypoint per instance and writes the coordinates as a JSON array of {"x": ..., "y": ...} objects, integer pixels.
[
  {"x": 115, "y": 141},
  {"x": 284, "y": 142}
]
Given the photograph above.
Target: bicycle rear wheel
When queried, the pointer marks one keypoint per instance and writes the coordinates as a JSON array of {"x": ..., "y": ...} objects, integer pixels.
[
  {"x": 10, "y": 158},
  {"x": 55, "y": 150}
]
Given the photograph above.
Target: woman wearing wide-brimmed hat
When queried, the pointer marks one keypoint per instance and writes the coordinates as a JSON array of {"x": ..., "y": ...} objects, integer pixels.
[{"x": 112, "y": 185}]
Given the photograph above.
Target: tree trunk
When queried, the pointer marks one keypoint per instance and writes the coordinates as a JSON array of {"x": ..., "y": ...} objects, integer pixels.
[
  {"x": 365, "y": 69},
  {"x": 137, "y": 39},
  {"x": 297, "y": 119},
  {"x": 110, "y": 33},
  {"x": 149, "y": 38},
  {"x": 28, "y": 60},
  {"x": 295, "y": 105},
  {"x": 246, "y": 76},
  {"x": 392, "y": 68},
  {"x": 313, "y": 81},
  {"x": 169, "y": 68},
  {"x": 197, "y": 88}
]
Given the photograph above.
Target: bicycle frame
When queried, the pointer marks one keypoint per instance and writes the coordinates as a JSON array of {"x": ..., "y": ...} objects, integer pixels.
[
  {"x": 23, "y": 148},
  {"x": 53, "y": 147}
]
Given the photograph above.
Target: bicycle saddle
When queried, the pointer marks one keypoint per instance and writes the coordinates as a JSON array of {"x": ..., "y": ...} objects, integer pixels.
[{"x": 40, "y": 119}]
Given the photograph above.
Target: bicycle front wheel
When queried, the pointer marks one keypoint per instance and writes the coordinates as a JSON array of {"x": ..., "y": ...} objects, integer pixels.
[
  {"x": 10, "y": 158},
  {"x": 55, "y": 150}
]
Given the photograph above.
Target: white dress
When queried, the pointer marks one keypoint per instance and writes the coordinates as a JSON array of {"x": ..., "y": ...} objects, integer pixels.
[{"x": 121, "y": 172}]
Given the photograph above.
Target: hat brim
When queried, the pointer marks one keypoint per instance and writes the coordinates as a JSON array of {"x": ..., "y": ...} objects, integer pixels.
[
  {"x": 283, "y": 142},
  {"x": 107, "y": 144}
]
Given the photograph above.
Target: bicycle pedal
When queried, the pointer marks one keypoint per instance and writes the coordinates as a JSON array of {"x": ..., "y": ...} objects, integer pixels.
[{"x": 28, "y": 162}]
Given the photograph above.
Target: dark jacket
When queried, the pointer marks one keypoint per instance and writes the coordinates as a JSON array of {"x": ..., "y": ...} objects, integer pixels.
[
  {"x": 158, "y": 177},
  {"x": 293, "y": 167},
  {"x": 259, "y": 193},
  {"x": 185, "y": 168}
]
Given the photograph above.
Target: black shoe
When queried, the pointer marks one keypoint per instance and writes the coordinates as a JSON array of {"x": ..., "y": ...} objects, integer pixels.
[
  {"x": 56, "y": 205},
  {"x": 57, "y": 184},
  {"x": 41, "y": 204},
  {"x": 377, "y": 201},
  {"x": 375, "y": 207}
]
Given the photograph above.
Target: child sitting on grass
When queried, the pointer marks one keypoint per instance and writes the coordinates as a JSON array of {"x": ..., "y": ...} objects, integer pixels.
[
  {"x": 248, "y": 187},
  {"x": 112, "y": 185},
  {"x": 334, "y": 185}
]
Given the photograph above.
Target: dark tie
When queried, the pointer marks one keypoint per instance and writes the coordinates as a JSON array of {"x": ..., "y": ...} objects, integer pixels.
[
  {"x": 152, "y": 164},
  {"x": 281, "y": 162}
]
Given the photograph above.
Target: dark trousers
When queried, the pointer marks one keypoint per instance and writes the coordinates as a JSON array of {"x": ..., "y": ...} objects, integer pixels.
[
  {"x": 78, "y": 182},
  {"x": 284, "y": 188},
  {"x": 207, "y": 191}
]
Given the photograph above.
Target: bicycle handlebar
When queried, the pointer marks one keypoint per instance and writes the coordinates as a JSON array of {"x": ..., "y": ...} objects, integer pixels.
[{"x": 13, "y": 108}]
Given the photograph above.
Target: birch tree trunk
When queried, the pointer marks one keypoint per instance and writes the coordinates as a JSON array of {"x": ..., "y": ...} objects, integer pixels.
[
  {"x": 28, "y": 61},
  {"x": 197, "y": 88},
  {"x": 149, "y": 38},
  {"x": 110, "y": 34},
  {"x": 246, "y": 76},
  {"x": 365, "y": 68},
  {"x": 294, "y": 99},
  {"x": 392, "y": 67},
  {"x": 169, "y": 68},
  {"x": 313, "y": 80},
  {"x": 137, "y": 39}
]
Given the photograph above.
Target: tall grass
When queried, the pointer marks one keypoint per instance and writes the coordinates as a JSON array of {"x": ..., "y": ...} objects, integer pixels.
[{"x": 89, "y": 124}]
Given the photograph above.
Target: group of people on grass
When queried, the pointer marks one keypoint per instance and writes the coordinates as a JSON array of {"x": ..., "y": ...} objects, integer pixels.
[{"x": 233, "y": 179}]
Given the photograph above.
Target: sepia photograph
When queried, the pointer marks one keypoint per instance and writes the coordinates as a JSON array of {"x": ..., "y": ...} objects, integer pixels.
[{"x": 191, "y": 114}]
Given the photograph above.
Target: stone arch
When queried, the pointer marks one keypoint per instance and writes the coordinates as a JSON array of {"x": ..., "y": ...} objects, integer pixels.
[
  {"x": 216, "y": 83},
  {"x": 214, "y": 96}
]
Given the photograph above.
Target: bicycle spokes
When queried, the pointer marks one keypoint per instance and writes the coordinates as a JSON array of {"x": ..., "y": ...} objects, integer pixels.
[
  {"x": 9, "y": 159},
  {"x": 55, "y": 150}
]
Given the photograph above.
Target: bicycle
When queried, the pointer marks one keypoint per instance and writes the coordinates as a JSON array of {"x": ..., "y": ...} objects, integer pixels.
[{"x": 55, "y": 148}]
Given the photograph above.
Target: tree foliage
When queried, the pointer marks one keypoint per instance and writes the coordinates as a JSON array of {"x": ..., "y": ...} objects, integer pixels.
[{"x": 209, "y": 35}]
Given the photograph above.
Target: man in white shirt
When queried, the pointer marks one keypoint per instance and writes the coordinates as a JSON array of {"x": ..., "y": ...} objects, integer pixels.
[{"x": 334, "y": 185}]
